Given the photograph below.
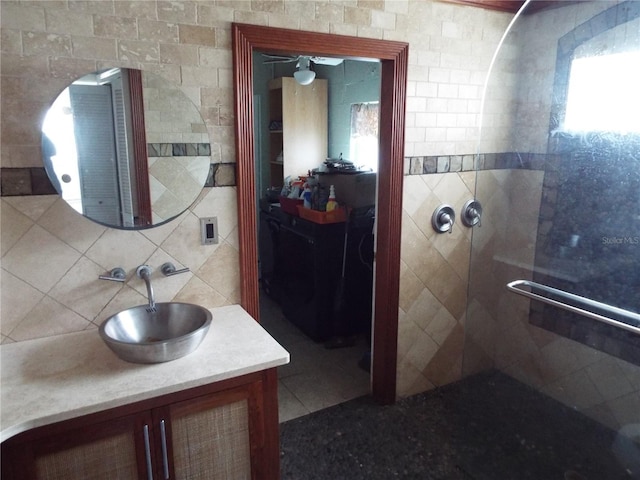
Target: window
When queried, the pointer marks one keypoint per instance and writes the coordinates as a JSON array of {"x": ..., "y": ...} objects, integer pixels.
[
  {"x": 364, "y": 135},
  {"x": 603, "y": 94}
]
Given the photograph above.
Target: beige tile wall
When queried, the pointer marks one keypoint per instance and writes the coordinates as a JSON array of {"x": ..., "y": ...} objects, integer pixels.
[
  {"x": 51, "y": 257},
  {"x": 499, "y": 334},
  {"x": 174, "y": 184},
  {"x": 433, "y": 283}
]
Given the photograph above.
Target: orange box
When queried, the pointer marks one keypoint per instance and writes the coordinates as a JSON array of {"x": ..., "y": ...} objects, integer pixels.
[
  {"x": 335, "y": 216},
  {"x": 288, "y": 205}
]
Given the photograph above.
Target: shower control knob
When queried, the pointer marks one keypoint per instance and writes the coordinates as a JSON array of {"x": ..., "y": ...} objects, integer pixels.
[
  {"x": 443, "y": 219},
  {"x": 471, "y": 213}
]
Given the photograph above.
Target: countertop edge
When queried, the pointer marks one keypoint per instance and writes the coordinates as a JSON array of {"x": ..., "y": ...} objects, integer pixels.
[
  {"x": 16, "y": 429},
  {"x": 239, "y": 346}
]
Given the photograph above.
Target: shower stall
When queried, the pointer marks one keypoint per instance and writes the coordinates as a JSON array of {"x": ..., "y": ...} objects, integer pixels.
[{"x": 554, "y": 289}]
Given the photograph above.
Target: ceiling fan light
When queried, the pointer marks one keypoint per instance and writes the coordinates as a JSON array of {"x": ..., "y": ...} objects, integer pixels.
[{"x": 304, "y": 77}]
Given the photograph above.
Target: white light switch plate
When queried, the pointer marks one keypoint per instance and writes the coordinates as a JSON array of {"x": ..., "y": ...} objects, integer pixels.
[{"x": 209, "y": 230}]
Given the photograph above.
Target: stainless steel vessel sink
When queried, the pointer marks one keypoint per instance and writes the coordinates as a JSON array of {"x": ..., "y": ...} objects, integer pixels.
[{"x": 165, "y": 332}]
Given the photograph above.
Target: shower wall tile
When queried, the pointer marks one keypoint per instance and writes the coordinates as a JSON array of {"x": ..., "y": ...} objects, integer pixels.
[
  {"x": 626, "y": 409},
  {"x": 499, "y": 334},
  {"x": 433, "y": 284},
  {"x": 446, "y": 364},
  {"x": 498, "y": 258},
  {"x": 609, "y": 379},
  {"x": 575, "y": 388}
]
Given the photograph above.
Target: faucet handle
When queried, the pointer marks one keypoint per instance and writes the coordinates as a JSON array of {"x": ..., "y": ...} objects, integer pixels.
[
  {"x": 116, "y": 274},
  {"x": 144, "y": 270},
  {"x": 472, "y": 213},
  {"x": 443, "y": 219},
  {"x": 169, "y": 269}
]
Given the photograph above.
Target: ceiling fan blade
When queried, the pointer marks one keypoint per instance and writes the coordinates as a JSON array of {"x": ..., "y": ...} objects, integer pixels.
[
  {"x": 279, "y": 58},
  {"x": 327, "y": 61}
]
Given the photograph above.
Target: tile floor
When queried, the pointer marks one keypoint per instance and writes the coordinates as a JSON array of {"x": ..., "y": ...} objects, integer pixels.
[{"x": 317, "y": 377}]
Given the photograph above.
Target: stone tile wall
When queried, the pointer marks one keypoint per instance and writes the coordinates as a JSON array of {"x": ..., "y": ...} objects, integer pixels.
[{"x": 51, "y": 257}]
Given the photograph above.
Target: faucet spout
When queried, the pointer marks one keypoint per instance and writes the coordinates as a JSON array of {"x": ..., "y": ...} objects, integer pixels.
[{"x": 144, "y": 272}]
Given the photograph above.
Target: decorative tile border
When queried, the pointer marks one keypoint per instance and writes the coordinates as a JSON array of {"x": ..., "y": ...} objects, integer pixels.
[
  {"x": 483, "y": 161},
  {"x": 25, "y": 181},
  {"x": 35, "y": 181},
  {"x": 178, "y": 149}
]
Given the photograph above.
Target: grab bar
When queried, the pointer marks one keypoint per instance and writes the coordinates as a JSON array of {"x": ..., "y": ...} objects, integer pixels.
[{"x": 513, "y": 286}]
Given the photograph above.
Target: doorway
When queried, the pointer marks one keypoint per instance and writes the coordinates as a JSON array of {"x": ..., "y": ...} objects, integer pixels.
[
  {"x": 393, "y": 57},
  {"x": 316, "y": 276}
]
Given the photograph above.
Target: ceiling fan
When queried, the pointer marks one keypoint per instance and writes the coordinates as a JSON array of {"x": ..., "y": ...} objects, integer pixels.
[{"x": 303, "y": 75}]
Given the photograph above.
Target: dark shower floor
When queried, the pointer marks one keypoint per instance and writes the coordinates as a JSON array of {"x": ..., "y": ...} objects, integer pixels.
[{"x": 487, "y": 427}]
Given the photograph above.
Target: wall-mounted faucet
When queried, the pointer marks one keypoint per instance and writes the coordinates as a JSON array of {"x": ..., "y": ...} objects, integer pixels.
[
  {"x": 144, "y": 272},
  {"x": 115, "y": 275}
]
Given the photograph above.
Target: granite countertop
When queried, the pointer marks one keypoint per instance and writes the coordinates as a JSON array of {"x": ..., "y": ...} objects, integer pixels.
[{"x": 47, "y": 380}]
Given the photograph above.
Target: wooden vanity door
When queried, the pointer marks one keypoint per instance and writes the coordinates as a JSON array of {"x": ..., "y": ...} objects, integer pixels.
[
  {"x": 113, "y": 449},
  {"x": 211, "y": 436}
]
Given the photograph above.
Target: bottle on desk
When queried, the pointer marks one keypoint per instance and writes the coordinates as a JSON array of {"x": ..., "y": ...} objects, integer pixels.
[
  {"x": 332, "y": 204},
  {"x": 306, "y": 196}
]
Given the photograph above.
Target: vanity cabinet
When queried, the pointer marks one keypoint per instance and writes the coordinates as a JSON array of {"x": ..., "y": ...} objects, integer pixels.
[
  {"x": 225, "y": 430},
  {"x": 298, "y": 127}
]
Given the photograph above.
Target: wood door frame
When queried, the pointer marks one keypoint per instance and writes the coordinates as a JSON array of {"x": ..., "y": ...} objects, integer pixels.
[
  {"x": 394, "y": 60},
  {"x": 140, "y": 155}
]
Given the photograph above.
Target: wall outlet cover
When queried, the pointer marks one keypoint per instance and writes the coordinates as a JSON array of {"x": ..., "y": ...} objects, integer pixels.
[{"x": 209, "y": 230}]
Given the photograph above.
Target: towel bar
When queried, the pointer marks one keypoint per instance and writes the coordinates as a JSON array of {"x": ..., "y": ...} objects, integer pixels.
[{"x": 632, "y": 316}]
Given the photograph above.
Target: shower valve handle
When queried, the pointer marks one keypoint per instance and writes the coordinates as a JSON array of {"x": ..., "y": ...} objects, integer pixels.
[
  {"x": 471, "y": 213},
  {"x": 443, "y": 219}
]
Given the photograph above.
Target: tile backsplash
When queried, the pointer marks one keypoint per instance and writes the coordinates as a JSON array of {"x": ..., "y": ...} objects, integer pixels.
[{"x": 52, "y": 257}]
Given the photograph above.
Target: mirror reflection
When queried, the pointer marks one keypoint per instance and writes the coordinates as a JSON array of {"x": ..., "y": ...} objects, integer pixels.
[{"x": 126, "y": 148}]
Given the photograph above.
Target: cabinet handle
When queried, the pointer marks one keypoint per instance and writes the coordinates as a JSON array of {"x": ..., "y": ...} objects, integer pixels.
[
  {"x": 165, "y": 458},
  {"x": 147, "y": 452}
]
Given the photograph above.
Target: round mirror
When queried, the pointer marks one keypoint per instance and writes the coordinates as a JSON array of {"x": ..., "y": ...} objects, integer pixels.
[{"x": 126, "y": 148}]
